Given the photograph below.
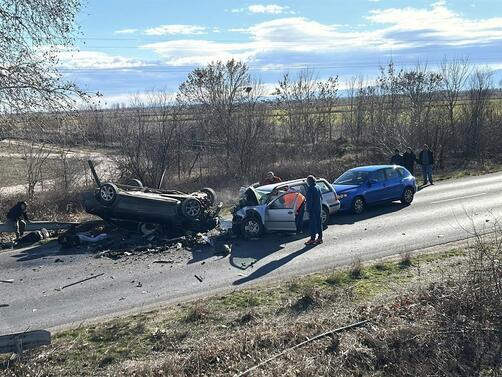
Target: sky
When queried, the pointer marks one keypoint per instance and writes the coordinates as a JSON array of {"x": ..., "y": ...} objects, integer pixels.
[{"x": 129, "y": 47}]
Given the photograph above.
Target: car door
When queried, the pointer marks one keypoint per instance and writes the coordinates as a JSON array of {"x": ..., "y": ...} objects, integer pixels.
[
  {"x": 394, "y": 189},
  {"x": 328, "y": 195},
  {"x": 280, "y": 213},
  {"x": 301, "y": 188},
  {"x": 376, "y": 190}
]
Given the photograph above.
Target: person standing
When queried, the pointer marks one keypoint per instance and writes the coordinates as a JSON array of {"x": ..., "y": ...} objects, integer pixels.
[
  {"x": 409, "y": 159},
  {"x": 17, "y": 218},
  {"x": 426, "y": 159},
  {"x": 299, "y": 209},
  {"x": 314, "y": 207},
  {"x": 271, "y": 178},
  {"x": 396, "y": 158}
]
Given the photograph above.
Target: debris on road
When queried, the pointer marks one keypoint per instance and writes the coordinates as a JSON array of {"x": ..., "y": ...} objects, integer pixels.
[
  {"x": 80, "y": 281},
  {"x": 58, "y": 260},
  {"x": 199, "y": 278},
  {"x": 170, "y": 261},
  {"x": 4, "y": 305},
  {"x": 10, "y": 281}
]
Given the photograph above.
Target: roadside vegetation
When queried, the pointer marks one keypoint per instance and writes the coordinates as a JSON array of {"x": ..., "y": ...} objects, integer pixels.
[{"x": 430, "y": 314}]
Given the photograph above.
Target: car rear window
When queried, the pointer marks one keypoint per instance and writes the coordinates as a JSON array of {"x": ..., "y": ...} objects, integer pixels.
[
  {"x": 392, "y": 173},
  {"x": 404, "y": 172}
]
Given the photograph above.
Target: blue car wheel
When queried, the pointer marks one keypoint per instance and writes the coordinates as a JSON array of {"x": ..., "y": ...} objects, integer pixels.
[
  {"x": 358, "y": 205},
  {"x": 408, "y": 196}
]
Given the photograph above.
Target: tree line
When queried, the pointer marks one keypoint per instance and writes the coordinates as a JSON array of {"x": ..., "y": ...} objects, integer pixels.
[
  {"x": 223, "y": 124},
  {"x": 224, "y": 127}
]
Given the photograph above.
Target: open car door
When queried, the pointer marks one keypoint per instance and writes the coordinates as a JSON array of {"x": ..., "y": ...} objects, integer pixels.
[{"x": 280, "y": 213}]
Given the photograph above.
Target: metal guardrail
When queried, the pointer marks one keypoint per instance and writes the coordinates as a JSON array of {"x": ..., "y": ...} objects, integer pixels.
[{"x": 38, "y": 225}]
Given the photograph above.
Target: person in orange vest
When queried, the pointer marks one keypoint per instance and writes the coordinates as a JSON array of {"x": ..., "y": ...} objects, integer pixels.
[{"x": 299, "y": 208}]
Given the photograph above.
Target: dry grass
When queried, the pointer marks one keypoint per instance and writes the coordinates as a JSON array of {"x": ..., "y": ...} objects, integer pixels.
[{"x": 436, "y": 326}]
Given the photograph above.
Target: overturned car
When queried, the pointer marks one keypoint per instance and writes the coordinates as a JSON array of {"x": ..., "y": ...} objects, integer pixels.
[{"x": 141, "y": 208}]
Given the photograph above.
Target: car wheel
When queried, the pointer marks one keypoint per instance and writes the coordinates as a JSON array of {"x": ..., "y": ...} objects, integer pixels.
[
  {"x": 324, "y": 217},
  {"x": 134, "y": 183},
  {"x": 191, "y": 208},
  {"x": 107, "y": 194},
  {"x": 358, "y": 205},
  {"x": 408, "y": 196},
  {"x": 211, "y": 195},
  {"x": 251, "y": 227}
]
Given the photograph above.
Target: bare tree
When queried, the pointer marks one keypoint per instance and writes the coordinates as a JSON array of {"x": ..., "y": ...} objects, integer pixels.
[
  {"x": 32, "y": 33},
  {"x": 217, "y": 91},
  {"x": 481, "y": 82},
  {"x": 454, "y": 74}
]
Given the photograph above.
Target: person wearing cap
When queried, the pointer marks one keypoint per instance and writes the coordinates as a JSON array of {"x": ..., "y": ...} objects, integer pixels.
[
  {"x": 426, "y": 159},
  {"x": 314, "y": 207},
  {"x": 271, "y": 178},
  {"x": 17, "y": 218}
]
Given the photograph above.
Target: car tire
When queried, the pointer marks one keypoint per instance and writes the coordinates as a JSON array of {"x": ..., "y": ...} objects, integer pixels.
[
  {"x": 324, "y": 217},
  {"x": 135, "y": 183},
  {"x": 191, "y": 208},
  {"x": 107, "y": 194},
  {"x": 211, "y": 195},
  {"x": 358, "y": 205},
  {"x": 251, "y": 227},
  {"x": 408, "y": 196}
]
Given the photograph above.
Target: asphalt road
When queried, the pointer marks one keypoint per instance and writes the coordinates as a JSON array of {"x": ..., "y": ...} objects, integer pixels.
[{"x": 445, "y": 212}]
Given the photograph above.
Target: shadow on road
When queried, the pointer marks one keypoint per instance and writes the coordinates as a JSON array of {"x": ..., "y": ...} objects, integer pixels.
[
  {"x": 274, "y": 265},
  {"x": 52, "y": 248},
  {"x": 370, "y": 212}
]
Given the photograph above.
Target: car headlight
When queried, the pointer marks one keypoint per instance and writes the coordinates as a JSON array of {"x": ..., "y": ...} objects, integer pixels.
[{"x": 342, "y": 196}]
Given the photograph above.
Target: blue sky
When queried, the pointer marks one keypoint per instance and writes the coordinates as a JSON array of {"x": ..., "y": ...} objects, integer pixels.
[{"x": 128, "y": 47}]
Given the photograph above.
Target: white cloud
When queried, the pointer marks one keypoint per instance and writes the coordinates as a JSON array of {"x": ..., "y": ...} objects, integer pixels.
[
  {"x": 126, "y": 31},
  {"x": 176, "y": 29},
  {"x": 264, "y": 9},
  {"x": 436, "y": 25},
  {"x": 188, "y": 52},
  {"x": 96, "y": 60}
]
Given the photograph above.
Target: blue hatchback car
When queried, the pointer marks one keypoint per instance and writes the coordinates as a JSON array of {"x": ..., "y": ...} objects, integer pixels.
[{"x": 366, "y": 185}]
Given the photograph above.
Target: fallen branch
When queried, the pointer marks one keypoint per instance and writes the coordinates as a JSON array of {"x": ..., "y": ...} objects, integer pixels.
[
  {"x": 357, "y": 324},
  {"x": 81, "y": 281}
]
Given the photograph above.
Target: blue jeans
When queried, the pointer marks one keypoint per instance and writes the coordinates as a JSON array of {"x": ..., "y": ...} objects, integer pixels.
[
  {"x": 427, "y": 173},
  {"x": 315, "y": 224}
]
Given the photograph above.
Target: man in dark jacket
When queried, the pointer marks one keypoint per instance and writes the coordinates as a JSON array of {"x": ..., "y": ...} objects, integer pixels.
[
  {"x": 314, "y": 207},
  {"x": 17, "y": 218},
  {"x": 409, "y": 159},
  {"x": 426, "y": 159},
  {"x": 396, "y": 158}
]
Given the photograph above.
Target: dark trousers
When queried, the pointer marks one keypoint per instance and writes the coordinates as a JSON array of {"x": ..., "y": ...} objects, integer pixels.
[
  {"x": 18, "y": 225},
  {"x": 427, "y": 173},
  {"x": 315, "y": 224},
  {"x": 299, "y": 218}
]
